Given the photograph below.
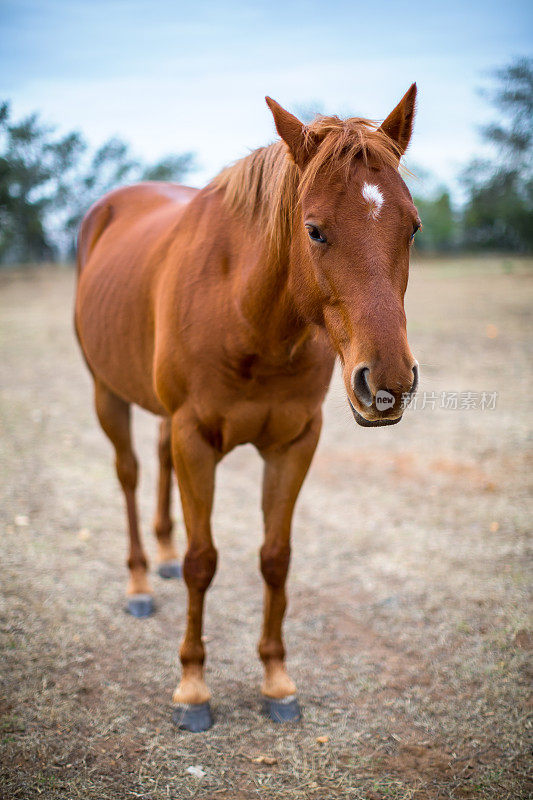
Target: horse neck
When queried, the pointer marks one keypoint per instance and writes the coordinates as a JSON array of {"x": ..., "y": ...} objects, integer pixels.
[{"x": 266, "y": 297}]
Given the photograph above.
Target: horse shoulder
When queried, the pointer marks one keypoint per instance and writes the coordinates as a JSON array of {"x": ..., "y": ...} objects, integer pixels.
[{"x": 192, "y": 303}]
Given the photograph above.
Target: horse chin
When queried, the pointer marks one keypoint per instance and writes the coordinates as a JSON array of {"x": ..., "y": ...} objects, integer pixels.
[{"x": 366, "y": 423}]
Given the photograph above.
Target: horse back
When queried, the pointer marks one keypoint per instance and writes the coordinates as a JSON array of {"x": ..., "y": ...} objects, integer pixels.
[{"x": 127, "y": 202}]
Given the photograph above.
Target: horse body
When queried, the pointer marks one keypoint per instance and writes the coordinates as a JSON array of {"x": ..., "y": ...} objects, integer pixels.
[
  {"x": 171, "y": 308},
  {"x": 221, "y": 310}
]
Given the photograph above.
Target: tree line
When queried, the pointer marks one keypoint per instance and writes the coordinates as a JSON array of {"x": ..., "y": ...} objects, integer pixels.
[
  {"x": 48, "y": 182},
  {"x": 497, "y": 214}
]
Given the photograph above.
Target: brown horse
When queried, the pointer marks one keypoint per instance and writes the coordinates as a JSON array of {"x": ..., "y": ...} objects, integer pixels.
[{"x": 222, "y": 310}]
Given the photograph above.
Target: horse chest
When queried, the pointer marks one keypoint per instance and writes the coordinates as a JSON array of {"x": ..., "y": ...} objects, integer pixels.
[
  {"x": 269, "y": 407},
  {"x": 263, "y": 424}
]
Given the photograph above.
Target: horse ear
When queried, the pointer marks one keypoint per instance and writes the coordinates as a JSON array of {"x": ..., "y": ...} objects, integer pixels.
[
  {"x": 292, "y": 131},
  {"x": 399, "y": 124}
]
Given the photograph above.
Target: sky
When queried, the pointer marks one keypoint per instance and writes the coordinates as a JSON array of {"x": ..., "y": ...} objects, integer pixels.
[{"x": 170, "y": 77}]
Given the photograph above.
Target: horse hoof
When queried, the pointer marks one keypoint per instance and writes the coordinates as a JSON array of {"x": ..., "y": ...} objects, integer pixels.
[
  {"x": 285, "y": 710},
  {"x": 170, "y": 569},
  {"x": 140, "y": 605},
  {"x": 195, "y": 717}
]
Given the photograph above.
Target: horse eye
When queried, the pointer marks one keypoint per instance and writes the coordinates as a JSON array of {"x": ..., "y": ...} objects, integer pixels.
[
  {"x": 315, "y": 234},
  {"x": 416, "y": 227}
]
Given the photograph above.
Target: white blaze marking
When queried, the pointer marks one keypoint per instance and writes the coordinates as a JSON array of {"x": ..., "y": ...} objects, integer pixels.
[{"x": 374, "y": 198}]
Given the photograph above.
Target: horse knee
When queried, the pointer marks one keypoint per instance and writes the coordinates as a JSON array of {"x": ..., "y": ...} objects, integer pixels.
[
  {"x": 275, "y": 564},
  {"x": 127, "y": 469},
  {"x": 164, "y": 450},
  {"x": 199, "y": 566},
  {"x": 163, "y": 527}
]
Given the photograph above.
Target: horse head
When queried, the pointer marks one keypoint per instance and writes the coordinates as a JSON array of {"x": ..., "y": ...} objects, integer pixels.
[{"x": 350, "y": 249}]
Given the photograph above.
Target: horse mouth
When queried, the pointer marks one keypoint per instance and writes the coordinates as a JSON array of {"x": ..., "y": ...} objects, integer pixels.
[{"x": 376, "y": 423}]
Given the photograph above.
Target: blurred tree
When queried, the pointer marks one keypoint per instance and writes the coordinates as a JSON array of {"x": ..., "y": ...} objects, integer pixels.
[
  {"x": 439, "y": 218},
  {"x": 47, "y": 184},
  {"x": 29, "y": 163},
  {"x": 499, "y": 210},
  {"x": 439, "y": 222},
  {"x": 170, "y": 168}
]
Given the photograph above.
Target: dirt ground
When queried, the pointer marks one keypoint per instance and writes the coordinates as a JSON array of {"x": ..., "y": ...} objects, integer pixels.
[{"x": 407, "y": 632}]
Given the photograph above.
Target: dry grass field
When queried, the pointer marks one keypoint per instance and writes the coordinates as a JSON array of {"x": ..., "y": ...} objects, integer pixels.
[{"x": 407, "y": 631}]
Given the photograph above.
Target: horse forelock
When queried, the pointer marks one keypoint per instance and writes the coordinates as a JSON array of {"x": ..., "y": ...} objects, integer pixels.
[
  {"x": 336, "y": 144},
  {"x": 267, "y": 184}
]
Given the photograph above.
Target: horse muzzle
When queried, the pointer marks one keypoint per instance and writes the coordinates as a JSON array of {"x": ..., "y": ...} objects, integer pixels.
[
  {"x": 384, "y": 407},
  {"x": 374, "y": 423}
]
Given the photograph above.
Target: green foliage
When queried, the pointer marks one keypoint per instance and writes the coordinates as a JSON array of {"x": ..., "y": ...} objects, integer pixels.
[
  {"x": 29, "y": 164},
  {"x": 499, "y": 213},
  {"x": 168, "y": 168},
  {"x": 48, "y": 183},
  {"x": 439, "y": 231}
]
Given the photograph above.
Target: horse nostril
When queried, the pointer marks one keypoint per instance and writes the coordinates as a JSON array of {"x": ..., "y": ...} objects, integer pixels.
[
  {"x": 414, "y": 386},
  {"x": 360, "y": 386}
]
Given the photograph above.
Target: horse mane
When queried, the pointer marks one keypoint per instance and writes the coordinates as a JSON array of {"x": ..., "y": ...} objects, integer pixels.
[{"x": 267, "y": 184}]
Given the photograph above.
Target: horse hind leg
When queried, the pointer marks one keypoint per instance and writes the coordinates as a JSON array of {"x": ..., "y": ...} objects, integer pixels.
[
  {"x": 169, "y": 565},
  {"x": 114, "y": 416}
]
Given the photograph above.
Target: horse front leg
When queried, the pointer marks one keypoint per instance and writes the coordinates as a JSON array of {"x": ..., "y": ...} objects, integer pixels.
[
  {"x": 194, "y": 462},
  {"x": 285, "y": 470}
]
